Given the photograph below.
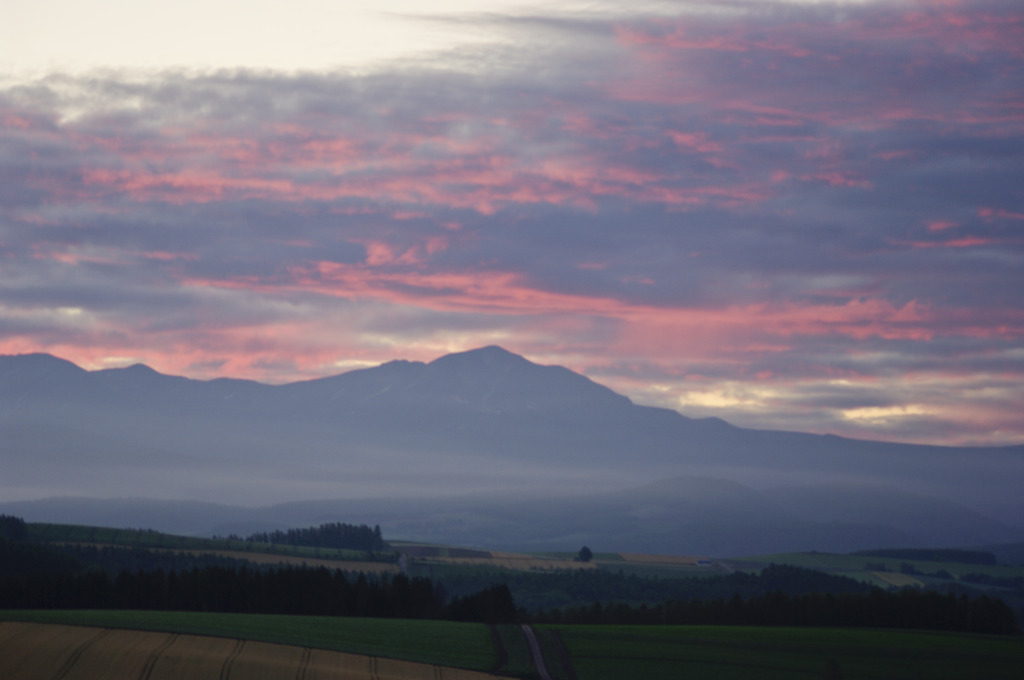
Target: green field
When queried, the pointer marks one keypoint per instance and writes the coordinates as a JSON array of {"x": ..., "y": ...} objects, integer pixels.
[
  {"x": 659, "y": 570},
  {"x": 607, "y": 652},
  {"x": 859, "y": 566},
  {"x": 518, "y": 662},
  {"x": 735, "y": 653},
  {"x": 443, "y": 643}
]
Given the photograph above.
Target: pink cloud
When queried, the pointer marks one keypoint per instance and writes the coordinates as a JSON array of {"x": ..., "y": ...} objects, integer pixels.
[
  {"x": 698, "y": 141},
  {"x": 508, "y": 293},
  {"x": 74, "y": 255},
  {"x": 685, "y": 36},
  {"x": 837, "y": 179},
  {"x": 683, "y": 58},
  {"x": 965, "y": 242},
  {"x": 480, "y": 182},
  {"x": 188, "y": 186},
  {"x": 994, "y": 213}
]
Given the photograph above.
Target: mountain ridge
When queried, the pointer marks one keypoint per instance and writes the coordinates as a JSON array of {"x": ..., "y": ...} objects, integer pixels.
[{"x": 485, "y": 421}]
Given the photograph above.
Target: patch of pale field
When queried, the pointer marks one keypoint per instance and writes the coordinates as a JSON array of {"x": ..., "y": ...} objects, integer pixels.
[
  {"x": 191, "y": 656},
  {"x": 33, "y": 651},
  {"x": 29, "y": 651},
  {"x": 675, "y": 560},
  {"x": 83, "y": 653},
  {"x": 272, "y": 559},
  {"x": 895, "y": 579},
  {"x": 514, "y": 561},
  {"x": 268, "y": 558},
  {"x": 395, "y": 669}
]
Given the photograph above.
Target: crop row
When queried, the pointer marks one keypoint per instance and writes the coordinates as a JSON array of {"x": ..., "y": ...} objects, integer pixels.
[{"x": 31, "y": 650}]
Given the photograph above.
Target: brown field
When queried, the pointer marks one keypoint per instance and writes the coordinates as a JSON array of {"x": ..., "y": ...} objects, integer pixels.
[
  {"x": 33, "y": 651},
  {"x": 272, "y": 559},
  {"x": 674, "y": 560},
  {"x": 268, "y": 558},
  {"x": 510, "y": 561},
  {"x": 895, "y": 579},
  {"x": 424, "y": 553}
]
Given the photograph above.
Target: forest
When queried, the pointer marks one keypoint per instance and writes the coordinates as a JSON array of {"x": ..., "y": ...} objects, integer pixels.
[
  {"x": 331, "y": 535},
  {"x": 906, "y": 608}
]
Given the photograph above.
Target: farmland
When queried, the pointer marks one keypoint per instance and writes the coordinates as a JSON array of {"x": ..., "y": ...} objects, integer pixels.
[
  {"x": 228, "y": 547},
  {"x": 464, "y": 645},
  {"x": 352, "y": 560},
  {"x": 881, "y": 571},
  {"x": 674, "y": 596},
  {"x": 741, "y": 653},
  {"x": 427, "y": 554},
  {"x": 31, "y": 650},
  {"x": 204, "y": 645}
]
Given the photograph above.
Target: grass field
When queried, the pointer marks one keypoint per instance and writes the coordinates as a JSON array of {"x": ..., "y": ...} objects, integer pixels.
[
  {"x": 742, "y": 653},
  {"x": 864, "y": 568},
  {"x": 274, "y": 559},
  {"x": 29, "y": 651},
  {"x": 518, "y": 663}
]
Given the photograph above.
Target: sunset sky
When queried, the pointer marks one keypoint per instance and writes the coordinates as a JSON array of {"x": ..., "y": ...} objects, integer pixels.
[{"x": 791, "y": 215}]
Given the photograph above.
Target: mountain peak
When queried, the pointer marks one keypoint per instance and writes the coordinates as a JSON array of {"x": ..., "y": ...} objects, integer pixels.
[
  {"x": 493, "y": 379},
  {"x": 133, "y": 373},
  {"x": 37, "y": 361},
  {"x": 140, "y": 369},
  {"x": 490, "y": 355},
  {"x": 29, "y": 373}
]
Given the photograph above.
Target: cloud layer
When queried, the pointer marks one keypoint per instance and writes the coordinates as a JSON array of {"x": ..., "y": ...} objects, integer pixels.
[{"x": 791, "y": 216}]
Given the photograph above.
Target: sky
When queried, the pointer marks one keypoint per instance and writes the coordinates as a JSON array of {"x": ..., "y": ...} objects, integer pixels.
[{"x": 791, "y": 215}]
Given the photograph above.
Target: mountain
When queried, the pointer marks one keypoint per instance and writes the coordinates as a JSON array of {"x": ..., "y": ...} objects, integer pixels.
[{"x": 481, "y": 426}]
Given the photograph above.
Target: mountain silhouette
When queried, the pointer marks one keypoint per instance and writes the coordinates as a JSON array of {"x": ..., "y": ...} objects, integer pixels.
[{"x": 484, "y": 421}]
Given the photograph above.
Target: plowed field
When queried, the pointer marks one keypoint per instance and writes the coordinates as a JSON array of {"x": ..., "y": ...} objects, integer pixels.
[{"x": 33, "y": 651}]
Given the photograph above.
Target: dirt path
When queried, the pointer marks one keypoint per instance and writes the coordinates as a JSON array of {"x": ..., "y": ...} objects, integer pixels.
[{"x": 538, "y": 658}]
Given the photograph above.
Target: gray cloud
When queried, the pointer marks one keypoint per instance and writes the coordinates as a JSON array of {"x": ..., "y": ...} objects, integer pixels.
[{"x": 835, "y": 187}]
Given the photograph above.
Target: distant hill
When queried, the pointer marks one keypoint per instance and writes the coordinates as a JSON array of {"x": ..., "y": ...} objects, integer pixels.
[{"x": 482, "y": 426}]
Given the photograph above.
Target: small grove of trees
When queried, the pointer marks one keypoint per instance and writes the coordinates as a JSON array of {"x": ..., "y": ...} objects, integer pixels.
[
  {"x": 492, "y": 605},
  {"x": 332, "y": 535},
  {"x": 13, "y": 528},
  {"x": 286, "y": 590}
]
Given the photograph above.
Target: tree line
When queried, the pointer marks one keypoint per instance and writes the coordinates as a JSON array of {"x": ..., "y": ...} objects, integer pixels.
[
  {"x": 908, "y": 608},
  {"x": 35, "y": 576},
  {"x": 284, "y": 590},
  {"x": 13, "y": 528},
  {"x": 535, "y": 590},
  {"x": 318, "y": 591},
  {"x": 933, "y": 555},
  {"x": 336, "y": 535}
]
